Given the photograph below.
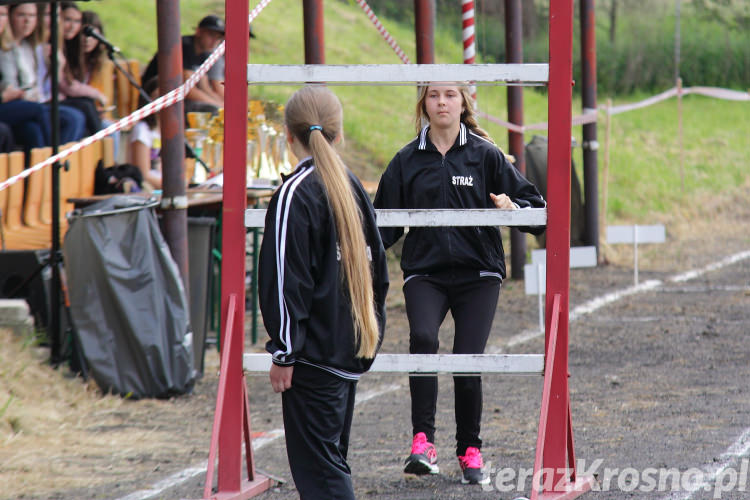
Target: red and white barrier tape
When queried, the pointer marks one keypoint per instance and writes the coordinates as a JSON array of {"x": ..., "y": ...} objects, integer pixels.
[
  {"x": 615, "y": 110},
  {"x": 590, "y": 117},
  {"x": 467, "y": 17},
  {"x": 718, "y": 93},
  {"x": 384, "y": 32},
  {"x": 157, "y": 105},
  {"x": 715, "y": 92}
]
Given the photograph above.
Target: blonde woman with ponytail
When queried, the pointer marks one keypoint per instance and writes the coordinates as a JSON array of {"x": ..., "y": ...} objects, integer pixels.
[{"x": 322, "y": 281}]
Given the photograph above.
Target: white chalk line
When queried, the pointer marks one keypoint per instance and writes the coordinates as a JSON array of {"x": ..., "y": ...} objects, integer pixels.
[
  {"x": 258, "y": 442},
  {"x": 167, "y": 483},
  {"x": 739, "y": 449},
  {"x": 711, "y": 267},
  {"x": 525, "y": 336}
]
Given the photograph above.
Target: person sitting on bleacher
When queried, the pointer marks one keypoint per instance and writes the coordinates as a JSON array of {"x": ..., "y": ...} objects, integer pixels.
[
  {"x": 195, "y": 50},
  {"x": 145, "y": 141},
  {"x": 77, "y": 94},
  {"x": 88, "y": 68},
  {"x": 19, "y": 67},
  {"x": 28, "y": 120}
]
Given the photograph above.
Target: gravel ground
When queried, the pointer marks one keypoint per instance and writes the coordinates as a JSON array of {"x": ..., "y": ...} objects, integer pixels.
[{"x": 658, "y": 381}]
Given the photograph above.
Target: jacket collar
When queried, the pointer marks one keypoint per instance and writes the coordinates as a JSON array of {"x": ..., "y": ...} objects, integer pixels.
[
  {"x": 304, "y": 162},
  {"x": 463, "y": 135}
]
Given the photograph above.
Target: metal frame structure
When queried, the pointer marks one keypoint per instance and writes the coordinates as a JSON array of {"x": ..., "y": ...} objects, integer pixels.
[{"x": 555, "y": 445}]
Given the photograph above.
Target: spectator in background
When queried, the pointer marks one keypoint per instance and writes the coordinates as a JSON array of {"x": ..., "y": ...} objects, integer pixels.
[
  {"x": 71, "y": 20},
  {"x": 91, "y": 59},
  {"x": 19, "y": 68},
  {"x": 77, "y": 94},
  {"x": 145, "y": 142},
  {"x": 216, "y": 73},
  {"x": 195, "y": 50},
  {"x": 28, "y": 120},
  {"x": 91, "y": 65}
]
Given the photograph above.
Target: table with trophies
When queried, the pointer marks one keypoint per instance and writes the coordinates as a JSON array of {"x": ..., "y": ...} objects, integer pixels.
[{"x": 267, "y": 155}]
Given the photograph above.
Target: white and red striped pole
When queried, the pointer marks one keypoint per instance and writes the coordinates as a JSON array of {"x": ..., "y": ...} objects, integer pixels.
[{"x": 467, "y": 11}]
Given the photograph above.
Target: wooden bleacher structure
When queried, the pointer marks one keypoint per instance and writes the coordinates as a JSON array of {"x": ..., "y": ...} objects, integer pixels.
[{"x": 26, "y": 206}]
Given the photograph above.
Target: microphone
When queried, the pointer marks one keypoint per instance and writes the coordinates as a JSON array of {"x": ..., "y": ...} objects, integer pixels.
[{"x": 89, "y": 31}]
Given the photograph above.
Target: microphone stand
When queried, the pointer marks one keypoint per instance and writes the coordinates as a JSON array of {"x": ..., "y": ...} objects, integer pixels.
[{"x": 131, "y": 79}]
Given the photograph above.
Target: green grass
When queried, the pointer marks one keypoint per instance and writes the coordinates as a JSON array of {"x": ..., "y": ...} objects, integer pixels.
[
  {"x": 644, "y": 171},
  {"x": 645, "y": 176}
]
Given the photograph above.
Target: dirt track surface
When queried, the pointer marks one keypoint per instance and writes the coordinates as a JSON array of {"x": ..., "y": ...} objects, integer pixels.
[{"x": 658, "y": 379}]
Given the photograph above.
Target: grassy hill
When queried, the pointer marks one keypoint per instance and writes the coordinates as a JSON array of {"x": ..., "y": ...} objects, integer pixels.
[{"x": 645, "y": 178}]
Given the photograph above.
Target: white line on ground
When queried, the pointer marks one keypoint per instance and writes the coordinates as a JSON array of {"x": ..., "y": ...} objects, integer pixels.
[
  {"x": 739, "y": 449},
  {"x": 167, "y": 483},
  {"x": 366, "y": 396},
  {"x": 258, "y": 442},
  {"x": 582, "y": 310},
  {"x": 711, "y": 267}
]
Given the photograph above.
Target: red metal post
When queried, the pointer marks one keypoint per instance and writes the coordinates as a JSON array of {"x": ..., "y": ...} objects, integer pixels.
[
  {"x": 558, "y": 223},
  {"x": 174, "y": 201},
  {"x": 514, "y": 54},
  {"x": 549, "y": 369},
  {"x": 233, "y": 240},
  {"x": 220, "y": 395},
  {"x": 424, "y": 26},
  {"x": 590, "y": 144},
  {"x": 314, "y": 31}
]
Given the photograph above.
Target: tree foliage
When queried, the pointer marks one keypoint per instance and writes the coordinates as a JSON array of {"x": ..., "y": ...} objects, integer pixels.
[{"x": 734, "y": 14}]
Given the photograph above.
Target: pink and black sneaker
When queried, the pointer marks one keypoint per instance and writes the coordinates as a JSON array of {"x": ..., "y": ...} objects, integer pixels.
[
  {"x": 471, "y": 465},
  {"x": 423, "y": 458}
]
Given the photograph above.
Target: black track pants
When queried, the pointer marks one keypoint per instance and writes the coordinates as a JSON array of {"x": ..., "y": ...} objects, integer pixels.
[
  {"x": 472, "y": 301},
  {"x": 318, "y": 411}
]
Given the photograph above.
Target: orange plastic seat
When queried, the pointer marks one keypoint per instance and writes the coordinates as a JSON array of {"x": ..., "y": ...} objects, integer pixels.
[{"x": 17, "y": 235}]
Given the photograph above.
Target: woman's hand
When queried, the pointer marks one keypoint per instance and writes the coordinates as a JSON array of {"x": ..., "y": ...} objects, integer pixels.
[
  {"x": 11, "y": 94},
  {"x": 281, "y": 377},
  {"x": 502, "y": 201}
]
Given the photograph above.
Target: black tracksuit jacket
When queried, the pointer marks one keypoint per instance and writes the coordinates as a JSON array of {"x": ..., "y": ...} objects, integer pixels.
[
  {"x": 419, "y": 176},
  {"x": 303, "y": 297}
]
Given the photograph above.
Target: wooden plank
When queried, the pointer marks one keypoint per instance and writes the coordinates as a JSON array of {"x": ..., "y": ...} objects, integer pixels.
[
  {"x": 511, "y": 364},
  {"x": 439, "y": 217},
  {"x": 397, "y": 73}
]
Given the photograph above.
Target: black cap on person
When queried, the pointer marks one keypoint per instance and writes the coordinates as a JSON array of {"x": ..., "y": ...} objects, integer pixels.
[{"x": 214, "y": 23}]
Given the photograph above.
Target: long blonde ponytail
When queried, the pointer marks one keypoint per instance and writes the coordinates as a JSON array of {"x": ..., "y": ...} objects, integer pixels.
[{"x": 313, "y": 115}]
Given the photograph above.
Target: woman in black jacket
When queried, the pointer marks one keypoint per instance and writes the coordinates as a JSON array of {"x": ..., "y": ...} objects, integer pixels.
[
  {"x": 452, "y": 163},
  {"x": 323, "y": 281}
]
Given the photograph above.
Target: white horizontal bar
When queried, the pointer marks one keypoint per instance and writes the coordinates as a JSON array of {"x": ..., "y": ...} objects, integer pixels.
[
  {"x": 512, "y": 364},
  {"x": 255, "y": 217},
  {"x": 579, "y": 257},
  {"x": 633, "y": 234},
  {"x": 463, "y": 217},
  {"x": 397, "y": 73}
]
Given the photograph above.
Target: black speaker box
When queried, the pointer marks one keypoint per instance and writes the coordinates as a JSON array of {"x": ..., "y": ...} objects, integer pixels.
[{"x": 24, "y": 275}]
